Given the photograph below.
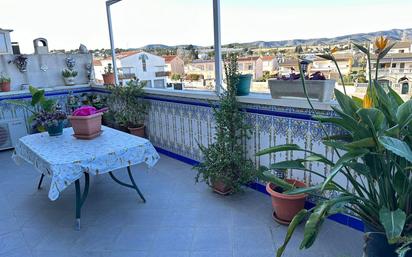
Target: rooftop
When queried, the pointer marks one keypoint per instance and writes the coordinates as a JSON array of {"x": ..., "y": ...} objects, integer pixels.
[
  {"x": 179, "y": 219},
  {"x": 169, "y": 58}
]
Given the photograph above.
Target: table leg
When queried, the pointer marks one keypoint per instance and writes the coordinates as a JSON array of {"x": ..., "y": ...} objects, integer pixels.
[
  {"x": 133, "y": 185},
  {"x": 81, "y": 198},
  {"x": 40, "y": 182}
]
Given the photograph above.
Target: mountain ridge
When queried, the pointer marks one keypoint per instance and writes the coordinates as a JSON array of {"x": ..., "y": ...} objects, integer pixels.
[{"x": 393, "y": 34}]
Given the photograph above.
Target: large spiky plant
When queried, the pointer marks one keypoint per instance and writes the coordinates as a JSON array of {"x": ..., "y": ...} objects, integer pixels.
[{"x": 375, "y": 156}]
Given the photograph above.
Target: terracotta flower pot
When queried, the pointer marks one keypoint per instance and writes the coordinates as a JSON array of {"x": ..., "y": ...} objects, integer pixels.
[
  {"x": 285, "y": 207},
  {"x": 5, "y": 86},
  {"x": 86, "y": 125},
  {"x": 108, "y": 79},
  {"x": 139, "y": 131},
  {"x": 221, "y": 188}
]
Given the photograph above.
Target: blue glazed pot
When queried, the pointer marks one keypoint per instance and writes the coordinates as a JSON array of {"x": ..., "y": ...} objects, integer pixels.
[
  {"x": 55, "y": 130},
  {"x": 376, "y": 245},
  {"x": 243, "y": 87}
]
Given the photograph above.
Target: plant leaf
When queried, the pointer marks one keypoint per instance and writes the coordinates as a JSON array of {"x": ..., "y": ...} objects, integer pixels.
[
  {"x": 404, "y": 111},
  {"x": 319, "y": 158},
  {"x": 386, "y": 50},
  {"x": 337, "y": 121},
  {"x": 361, "y": 48},
  {"x": 293, "y": 164},
  {"x": 279, "y": 148},
  {"x": 346, "y": 158},
  {"x": 397, "y": 147},
  {"x": 393, "y": 222},
  {"x": 358, "y": 101},
  {"x": 346, "y": 103},
  {"x": 316, "y": 219},
  {"x": 47, "y": 105},
  {"x": 291, "y": 229},
  {"x": 374, "y": 118},
  {"x": 400, "y": 182},
  {"x": 365, "y": 142},
  {"x": 37, "y": 97},
  {"x": 394, "y": 97},
  {"x": 325, "y": 56},
  {"x": 268, "y": 176},
  {"x": 335, "y": 144},
  {"x": 308, "y": 190}
]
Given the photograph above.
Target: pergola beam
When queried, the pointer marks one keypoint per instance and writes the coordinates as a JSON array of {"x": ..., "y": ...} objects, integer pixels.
[
  {"x": 217, "y": 45},
  {"x": 109, "y": 21}
]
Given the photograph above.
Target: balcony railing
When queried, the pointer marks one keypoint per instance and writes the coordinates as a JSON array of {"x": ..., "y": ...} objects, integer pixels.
[{"x": 393, "y": 71}]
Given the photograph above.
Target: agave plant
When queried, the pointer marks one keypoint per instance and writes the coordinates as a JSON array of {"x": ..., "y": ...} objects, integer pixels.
[{"x": 375, "y": 157}]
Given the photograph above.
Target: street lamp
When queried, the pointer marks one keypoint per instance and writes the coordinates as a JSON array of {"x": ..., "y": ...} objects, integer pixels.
[{"x": 109, "y": 21}]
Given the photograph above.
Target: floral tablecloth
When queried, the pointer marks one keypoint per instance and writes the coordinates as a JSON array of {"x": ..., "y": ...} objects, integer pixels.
[{"x": 65, "y": 158}]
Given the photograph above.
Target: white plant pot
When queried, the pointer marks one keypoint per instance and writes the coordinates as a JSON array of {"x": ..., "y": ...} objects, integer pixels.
[
  {"x": 69, "y": 81},
  {"x": 317, "y": 89}
]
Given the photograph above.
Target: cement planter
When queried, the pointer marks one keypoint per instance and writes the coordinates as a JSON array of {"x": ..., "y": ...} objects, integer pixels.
[
  {"x": 317, "y": 89},
  {"x": 69, "y": 81}
]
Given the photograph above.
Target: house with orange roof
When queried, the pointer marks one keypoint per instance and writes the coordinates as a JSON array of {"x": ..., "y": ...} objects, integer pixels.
[
  {"x": 269, "y": 63},
  {"x": 174, "y": 64},
  {"x": 247, "y": 65},
  {"x": 251, "y": 65}
]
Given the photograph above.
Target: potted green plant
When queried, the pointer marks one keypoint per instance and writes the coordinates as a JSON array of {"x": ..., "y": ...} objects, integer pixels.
[
  {"x": 129, "y": 107},
  {"x": 108, "y": 76},
  {"x": 285, "y": 206},
  {"x": 225, "y": 167},
  {"x": 375, "y": 156},
  {"x": 69, "y": 76},
  {"x": 4, "y": 82},
  {"x": 46, "y": 115},
  {"x": 51, "y": 120}
]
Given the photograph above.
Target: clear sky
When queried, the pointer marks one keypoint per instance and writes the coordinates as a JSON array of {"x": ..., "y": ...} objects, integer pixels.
[{"x": 136, "y": 23}]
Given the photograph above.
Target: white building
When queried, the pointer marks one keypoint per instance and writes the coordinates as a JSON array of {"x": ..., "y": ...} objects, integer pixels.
[
  {"x": 144, "y": 66},
  {"x": 5, "y": 41},
  {"x": 270, "y": 63},
  {"x": 395, "y": 69}
]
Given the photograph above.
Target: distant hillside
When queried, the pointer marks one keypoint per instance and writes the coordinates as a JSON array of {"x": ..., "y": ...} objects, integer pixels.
[{"x": 394, "y": 34}]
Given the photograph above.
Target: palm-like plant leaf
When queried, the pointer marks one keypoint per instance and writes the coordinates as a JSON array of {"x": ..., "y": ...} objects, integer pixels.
[
  {"x": 292, "y": 227},
  {"x": 280, "y": 148},
  {"x": 393, "y": 222},
  {"x": 343, "y": 161},
  {"x": 397, "y": 147}
]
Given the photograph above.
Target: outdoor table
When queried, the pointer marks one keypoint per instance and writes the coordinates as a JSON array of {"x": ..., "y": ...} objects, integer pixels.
[{"x": 65, "y": 159}]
